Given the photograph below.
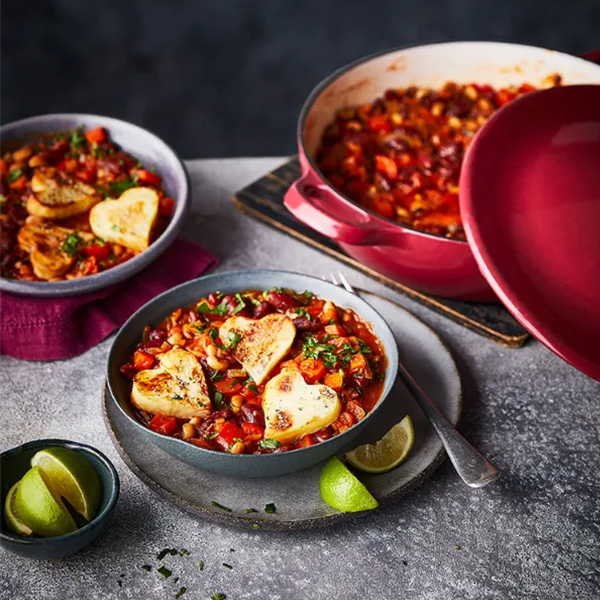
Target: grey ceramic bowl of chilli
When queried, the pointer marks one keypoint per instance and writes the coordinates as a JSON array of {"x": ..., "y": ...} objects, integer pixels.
[
  {"x": 243, "y": 465},
  {"x": 141, "y": 144},
  {"x": 16, "y": 462}
]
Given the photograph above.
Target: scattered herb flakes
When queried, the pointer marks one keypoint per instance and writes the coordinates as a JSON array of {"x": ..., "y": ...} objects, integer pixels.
[
  {"x": 457, "y": 547},
  {"x": 219, "y": 596},
  {"x": 218, "y": 400},
  {"x": 220, "y": 506},
  {"x": 270, "y": 508},
  {"x": 308, "y": 295},
  {"x": 166, "y": 573},
  {"x": 221, "y": 309},
  {"x": 77, "y": 138},
  {"x": 118, "y": 187},
  {"x": 14, "y": 175},
  {"x": 201, "y": 565},
  {"x": 302, "y": 312},
  {"x": 181, "y": 592},
  {"x": 147, "y": 568},
  {"x": 71, "y": 244},
  {"x": 250, "y": 510},
  {"x": 234, "y": 339},
  {"x": 226, "y": 566},
  {"x": 269, "y": 444},
  {"x": 241, "y": 304},
  {"x": 256, "y": 525},
  {"x": 165, "y": 551},
  {"x": 184, "y": 552}
]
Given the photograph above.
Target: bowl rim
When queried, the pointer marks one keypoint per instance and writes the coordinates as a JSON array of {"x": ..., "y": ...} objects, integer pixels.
[
  {"x": 392, "y": 367},
  {"x": 324, "y": 83},
  {"x": 129, "y": 268},
  {"x": 87, "y": 449}
]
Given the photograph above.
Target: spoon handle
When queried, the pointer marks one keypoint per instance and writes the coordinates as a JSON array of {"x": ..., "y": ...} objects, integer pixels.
[{"x": 473, "y": 468}]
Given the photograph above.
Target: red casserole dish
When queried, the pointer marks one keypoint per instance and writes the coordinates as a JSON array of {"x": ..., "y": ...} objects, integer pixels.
[{"x": 430, "y": 263}]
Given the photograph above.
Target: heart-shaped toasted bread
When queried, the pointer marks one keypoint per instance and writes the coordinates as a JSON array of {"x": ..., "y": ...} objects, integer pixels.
[
  {"x": 129, "y": 220},
  {"x": 260, "y": 343},
  {"x": 177, "y": 388},
  {"x": 293, "y": 408}
]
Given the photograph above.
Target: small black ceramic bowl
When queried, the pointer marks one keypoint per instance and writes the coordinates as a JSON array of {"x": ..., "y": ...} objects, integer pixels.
[
  {"x": 141, "y": 144},
  {"x": 16, "y": 462},
  {"x": 243, "y": 465}
]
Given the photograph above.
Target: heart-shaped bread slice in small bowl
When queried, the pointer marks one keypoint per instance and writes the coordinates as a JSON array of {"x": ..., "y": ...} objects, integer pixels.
[
  {"x": 293, "y": 408},
  {"x": 258, "y": 344},
  {"x": 128, "y": 220}
]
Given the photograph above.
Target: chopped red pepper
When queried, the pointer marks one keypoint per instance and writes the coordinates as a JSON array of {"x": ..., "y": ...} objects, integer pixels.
[
  {"x": 383, "y": 206},
  {"x": 379, "y": 123},
  {"x": 307, "y": 440},
  {"x": 163, "y": 424},
  {"x": 166, "y": 206},
  {"x": 229, "y": 435},
  {"x": 335, "y": 329},
  {"x": 252, "y": 430},
  {"x": 97, "y": 135},
  {"x": 98, "y": 251},
  {"x": 228, "y": 386},
  {"x": 148, "y": 177},
  {"x": 142, "y": 360},
  {"x": 86, "y": 175},
  {"x": 387, "y": 166}
]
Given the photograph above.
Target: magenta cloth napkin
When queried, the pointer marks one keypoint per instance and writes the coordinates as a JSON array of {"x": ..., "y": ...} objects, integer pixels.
[{"x": 53, "y": 328}]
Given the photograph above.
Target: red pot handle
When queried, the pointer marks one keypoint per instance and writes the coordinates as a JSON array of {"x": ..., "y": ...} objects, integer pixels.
[
  {"x": 592, "y": 56},
  {"x": 315, "y": 205}
]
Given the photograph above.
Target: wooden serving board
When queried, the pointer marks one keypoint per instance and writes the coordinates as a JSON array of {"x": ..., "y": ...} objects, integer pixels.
[{"x": 263, "y": 199}]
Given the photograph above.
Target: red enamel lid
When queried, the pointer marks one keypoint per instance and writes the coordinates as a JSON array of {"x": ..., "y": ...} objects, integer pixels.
[{"x": 530, "y": 203}]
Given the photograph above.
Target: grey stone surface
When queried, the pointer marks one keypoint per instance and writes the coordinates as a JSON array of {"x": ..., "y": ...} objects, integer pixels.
[{"x": 534, "y": 534}]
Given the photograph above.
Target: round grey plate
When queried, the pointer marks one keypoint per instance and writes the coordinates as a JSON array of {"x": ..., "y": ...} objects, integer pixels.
[{"x": 297, "y": 496}]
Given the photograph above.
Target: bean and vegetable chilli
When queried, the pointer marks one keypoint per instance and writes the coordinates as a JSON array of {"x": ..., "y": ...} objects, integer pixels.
[
  {"x": 401, "y": 155},
  {"x": 256, "y": 372},
  {"x": 75, "y": 204}
]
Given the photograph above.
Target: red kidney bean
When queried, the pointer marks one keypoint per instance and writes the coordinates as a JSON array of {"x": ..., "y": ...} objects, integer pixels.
[
  {"x": 128, "y": 370},
  {"x": 324, "y": 434},
  {"x": 155, "y": 338},
  {"x": 263, "y": 309},
  {"x": 282, "y": 301},
  {"x": 213, "y": 298},
  {"x": 306, "y": 324},
  {"x": 450, "y": 150},
  {"x": 253, "y": 414}
]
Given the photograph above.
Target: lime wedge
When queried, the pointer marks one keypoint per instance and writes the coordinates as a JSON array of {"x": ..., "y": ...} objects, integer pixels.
[
  {"x": 13, "y": 519},
  {"x": 40, "y": 507},
  {"x": 387, "y": 453},
  {"x": 342, "y": 490},
  {"x": 73, "y": 478}
]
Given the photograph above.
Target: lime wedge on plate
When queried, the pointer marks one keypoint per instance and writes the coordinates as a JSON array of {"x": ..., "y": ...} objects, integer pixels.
[
  {"x": 387, "y": 453},
  {"x": 40, "y": 507},
  {"x": 13, "y": 519},
  {"x": 342, "y": 490},
  {"x": 73, "y": 478}
]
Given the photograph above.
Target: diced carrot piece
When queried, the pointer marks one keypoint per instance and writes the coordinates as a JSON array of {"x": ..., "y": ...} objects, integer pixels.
[
  {"x": 334, "y": 380},
  {"x": 97, "y": 135},
  {"x": 387, "y": 166},
  {"x": 312, "y": 369},
  {"x": 358, "y": 362},
  {"x": 335, "y": 329},
  {"x": 307, "y": 440},
  {"x": 142, "y": 360}
]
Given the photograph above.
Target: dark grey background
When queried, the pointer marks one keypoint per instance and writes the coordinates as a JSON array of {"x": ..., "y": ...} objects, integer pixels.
[{"x": 228, "y": 77}]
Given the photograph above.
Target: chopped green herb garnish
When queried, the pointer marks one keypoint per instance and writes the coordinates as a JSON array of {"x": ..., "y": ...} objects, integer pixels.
[
  {"x": 116, "y": 228},
  {"x": 221, "y": 309},
  {"x": 268, "y": 444},
  {"x": 313, "y": 348},
  {"x": 456, "y": 547},
  {"x": 241, "y": 304},
  {"x": 14, "y": 175},
  {"x": 177, "y": 397},
  {"x": 276, "y": 289},
  {"x": 216, "y": 376},
  {"x": 249, "y": 383},
  {"x": 220, "y": 506},
  {"x": 270, "y": 508},
  {"x": 218, "y": 400},
  {"x": 77, "y": 138},
  {"x": 227, "y": 566},
  {"x": 166, "y": 551},
  {"x": 256, "y": 526},
  {"x": 250, "y": 510},
  {"x": 308, "y": 295},
  {"x": 71, "y": 244},
  {"x": 331, "y": 322},
  {"x": 201, "y": 565},
  {"x": 147, "y": 568},
  {"x": 166, "y": 573},
  {"x": 363, "y": 347},
  {"x": 184, "y": 552},
  {"x": 301, "y": 311},
  {"x": 118, "y": 187},
  {"x": 219, "y": 596},
  {"x": 202, "y": 328},
  {"x": 181, "y": 592},
  {"x": 234, "y": 339}
]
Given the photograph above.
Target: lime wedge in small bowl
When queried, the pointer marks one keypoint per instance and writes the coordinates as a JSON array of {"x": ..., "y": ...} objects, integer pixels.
[
  {"x": 73, "y": 478},
  {"x": 386, "y": 454},
  {"x": 342, "y": 490},
  {"x": 11, "y": 514}
]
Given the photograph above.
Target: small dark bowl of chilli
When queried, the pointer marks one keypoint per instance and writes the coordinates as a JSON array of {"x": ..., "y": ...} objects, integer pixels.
[
  {"x": 86, "y": 202},
  {"x": 255, "y": 373}
]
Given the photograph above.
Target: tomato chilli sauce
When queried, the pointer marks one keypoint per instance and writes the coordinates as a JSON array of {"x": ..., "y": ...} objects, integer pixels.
[
  {"x": 400, "y": 156},
  {"x": 328, "y": 346}
]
